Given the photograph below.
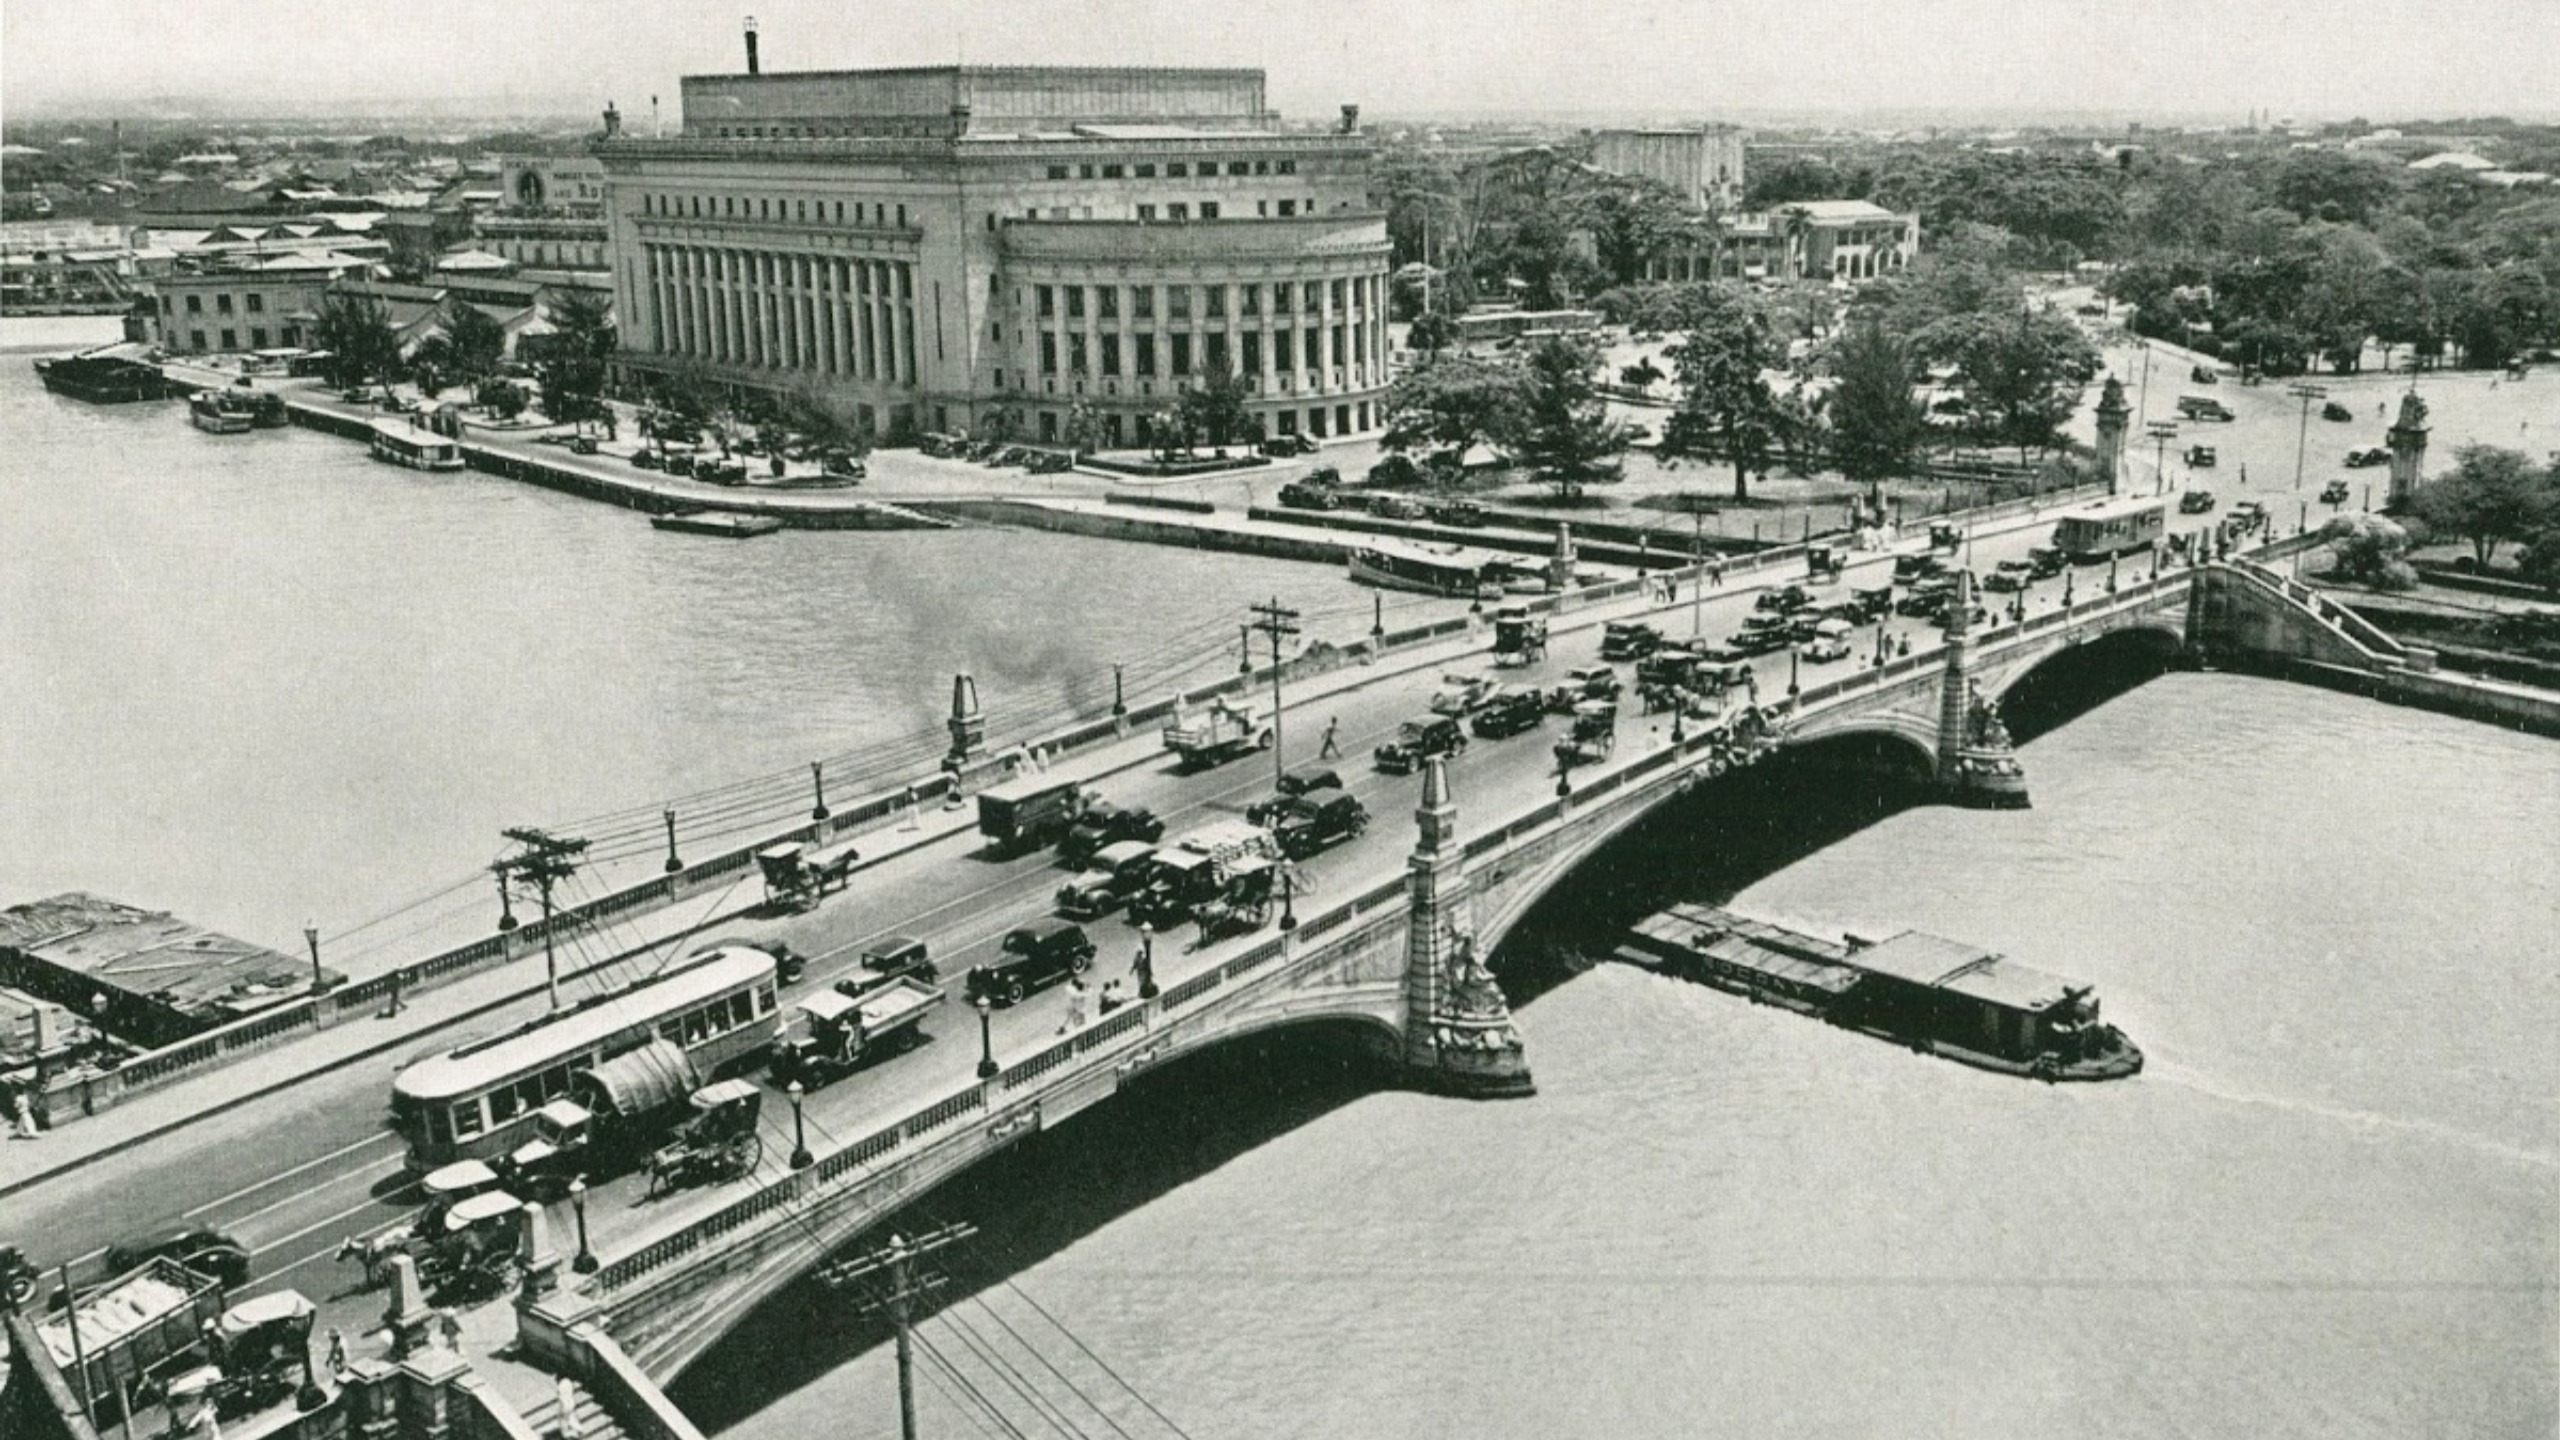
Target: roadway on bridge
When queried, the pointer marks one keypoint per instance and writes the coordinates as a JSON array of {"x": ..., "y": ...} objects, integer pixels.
[{"x": 293, "y": 1174}]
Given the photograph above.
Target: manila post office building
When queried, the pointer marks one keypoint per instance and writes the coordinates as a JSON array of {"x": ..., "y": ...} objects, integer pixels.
[{"x": 936, "y": 246}]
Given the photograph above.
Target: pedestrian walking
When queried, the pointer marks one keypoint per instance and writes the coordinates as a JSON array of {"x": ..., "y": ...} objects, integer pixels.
[
  {"x": 1332, "y": 747},
  {"x": 1715, "y": 573},
  {"x": 25, "y": 1104},
  {"x": 1075, "y": 1006},
  {"x": 1111, "y": 998}
]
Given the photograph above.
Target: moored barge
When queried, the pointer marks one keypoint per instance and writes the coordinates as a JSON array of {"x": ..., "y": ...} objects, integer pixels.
[
  {"x": 728, "y": 524},
  {"x": 1938, "y": 996},
  {"x": 102, "y": 379}
]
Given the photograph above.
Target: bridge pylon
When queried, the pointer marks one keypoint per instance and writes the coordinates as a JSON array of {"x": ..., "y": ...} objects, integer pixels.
[
  {"x": 1459, "y": 1037},
  {"x": 1977, "y": 766}
]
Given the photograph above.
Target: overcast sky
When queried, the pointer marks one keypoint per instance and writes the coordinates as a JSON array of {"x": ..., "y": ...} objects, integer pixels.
[{"x": 1663, "y": 58}]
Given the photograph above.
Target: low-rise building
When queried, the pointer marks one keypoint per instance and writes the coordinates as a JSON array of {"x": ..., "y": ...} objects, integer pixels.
[
  {"x": 1702, "y": 166},
  {"x": 550, "y": 213},
  {"x": 1842, "y": 241},
  {"x": 235, "y": 303}
]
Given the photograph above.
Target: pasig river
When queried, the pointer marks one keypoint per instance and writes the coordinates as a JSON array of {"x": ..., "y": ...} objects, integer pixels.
[
  {"x": 259, "y": 678},
  {"x": 2329, "y": 1207}
]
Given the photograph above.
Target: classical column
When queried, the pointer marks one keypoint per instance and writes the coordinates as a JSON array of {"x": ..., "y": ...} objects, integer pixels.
[
  {"x": 904, "y": 284},
  {"x": 875, "y": 323},
  {"x": 1458, "y": 1033}
]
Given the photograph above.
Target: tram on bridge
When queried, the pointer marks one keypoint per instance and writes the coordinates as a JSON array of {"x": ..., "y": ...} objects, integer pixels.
[
  {"x": 485, "y": 1099},
  {"x": 2111, "y": 527}
]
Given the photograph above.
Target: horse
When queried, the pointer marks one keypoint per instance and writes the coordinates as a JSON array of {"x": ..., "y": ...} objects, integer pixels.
[{"x": 375, "y": 1252}]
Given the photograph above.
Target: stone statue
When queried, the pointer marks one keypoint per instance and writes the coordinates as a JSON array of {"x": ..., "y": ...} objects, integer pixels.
[{"x": 1982, "y": 723}]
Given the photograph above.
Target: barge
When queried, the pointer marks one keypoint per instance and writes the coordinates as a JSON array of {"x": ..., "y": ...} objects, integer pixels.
[
  {"x": 1938, "y": 996},
  {"x": 103, "y": 379},
  {"x": 725, "y": 523}
]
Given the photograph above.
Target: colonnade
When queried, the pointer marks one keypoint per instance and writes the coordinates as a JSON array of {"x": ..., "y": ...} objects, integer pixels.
[{"x": 825, "y": 314}]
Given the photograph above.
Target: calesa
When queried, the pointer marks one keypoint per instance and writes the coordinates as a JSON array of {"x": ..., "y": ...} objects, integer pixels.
[{"x": 719, "y": 1143}]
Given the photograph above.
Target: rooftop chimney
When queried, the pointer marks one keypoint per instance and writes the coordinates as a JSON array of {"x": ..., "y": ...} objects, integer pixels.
[
  {"x": 1350, "y": 119},
  {"x": 612, "y": 119},
  {"x": 752, "y": 67}
]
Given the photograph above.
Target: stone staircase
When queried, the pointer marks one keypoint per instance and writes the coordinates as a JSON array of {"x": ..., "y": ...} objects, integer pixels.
[{"x": 592, "y": 1422}]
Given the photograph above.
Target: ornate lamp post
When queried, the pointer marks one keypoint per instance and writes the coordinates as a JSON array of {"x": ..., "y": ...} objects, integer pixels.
[
  {"x": 818, "y": 783},
  {"x": 586, "y": 1263},
  {"x": 311, "y": 937},
  {"x": 1288, "y": 899},
  {"x": 1146, "y": 961},
  {"x": 801, "y": 1159},
  {"x": 673, "y": 864},
  {"x": 986, "y": 1039}
]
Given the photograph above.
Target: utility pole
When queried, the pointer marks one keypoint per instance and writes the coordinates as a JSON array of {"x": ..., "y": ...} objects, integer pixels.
[
  {"x": 897, "y": 1261},
  {"x": 543, "y": 861},
  {"x": 1275, "y": 621},
  {"x": 2302, "y": 435}
]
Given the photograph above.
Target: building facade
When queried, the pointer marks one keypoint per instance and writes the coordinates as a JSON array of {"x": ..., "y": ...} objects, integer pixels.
[
  {"x": 233, "y": 304},
  {"x": 962, "y": 247},
  {"x": 1841, "y": 241},
  {"x": 1702, "y": 166},
  {"x": 549, "y": 215}
]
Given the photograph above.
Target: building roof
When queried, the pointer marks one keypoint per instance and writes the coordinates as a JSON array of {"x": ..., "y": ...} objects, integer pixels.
[
  {"x": 1839, "y": 211},
  {"x": 2454, "y": 160},
  {"x": 469, "y": 261},
  {"x": 153, "y": 954},
  {"x": 2008, "y": 984}
]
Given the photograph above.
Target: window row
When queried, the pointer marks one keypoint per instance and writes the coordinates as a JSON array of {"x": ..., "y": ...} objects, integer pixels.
[
  {"x": 1304, "y": 297},
  {"x": 471, "y": 1115},
  {"x": 289, "y": 335},
  {"x": 766, "y": 207},
  {"x": 253, "y": 302},
  {"x": 1171, "y": 169},
  {"x": 1349, "y": 345}
]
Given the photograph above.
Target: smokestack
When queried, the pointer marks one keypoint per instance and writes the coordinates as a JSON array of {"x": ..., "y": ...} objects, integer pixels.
[{"x": 752, "y": 67}]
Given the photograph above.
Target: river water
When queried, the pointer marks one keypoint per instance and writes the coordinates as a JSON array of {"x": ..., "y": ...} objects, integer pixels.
[{"x": 253, "y": 679}]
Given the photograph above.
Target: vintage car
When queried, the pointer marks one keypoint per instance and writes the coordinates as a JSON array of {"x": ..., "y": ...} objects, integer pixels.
[
  {"x": 2364, "y": 456},
  {"x": 1508, "y": 713},
  {"x": 2195, "y": 502},
  {"x": 1317, "y": 819},
  {"x": 2009, "y": 575},
  {"x": 2334, "y": 493},
  {"x": 2200, "y": 457},
  {"x": 1419, "y": 740},
  {"x": 1830, "y": 642},
  {"x": 1031, "y": 957}
]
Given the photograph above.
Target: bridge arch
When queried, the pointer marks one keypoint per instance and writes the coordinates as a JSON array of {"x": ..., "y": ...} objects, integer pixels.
[{"x": 2051, "y": 688}]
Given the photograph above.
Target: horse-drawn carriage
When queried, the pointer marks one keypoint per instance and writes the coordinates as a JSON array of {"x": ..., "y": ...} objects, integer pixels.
[
  {"x": 798, "y": 876},
  {"x": 1594, "y": 734},
  {"x": 1519, "y": 638},
  {"x": 473, "y": 1254},
  {"x": 720, "y": 1142}
]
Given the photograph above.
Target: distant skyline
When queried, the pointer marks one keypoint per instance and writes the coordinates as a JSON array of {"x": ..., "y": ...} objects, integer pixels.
[{"x": 1656, "y": 59}]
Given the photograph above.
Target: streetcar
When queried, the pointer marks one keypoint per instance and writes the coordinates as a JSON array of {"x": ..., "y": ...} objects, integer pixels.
[
  {"x": 482, "y": 1100},
  {"x": 2111, "y": 527}
]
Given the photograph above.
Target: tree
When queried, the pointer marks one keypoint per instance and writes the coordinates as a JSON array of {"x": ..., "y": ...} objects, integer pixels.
[
  {"x": 828, "y": 420},
  {"x": 2539, "y": 562},
  {"x": 1433, "y": 331},
  {"x": 2491, "y": 496},
  {"x": 1084, "y": 432},
  {"x": 1877, "y": 425},
  {"x": 1565, "y": 434},
  {"x": 357, "y": 333},
  {"x": 1214, "y": 409},
  {"x": 1727, "y": 408},
  {"x": 474, "y": 342},
  {"x": 573, "y": 366},
  {"x": 1448, "y": 408},
  {"x": 2369, "y": 550},
  {"x": 2025, "y": 370}
]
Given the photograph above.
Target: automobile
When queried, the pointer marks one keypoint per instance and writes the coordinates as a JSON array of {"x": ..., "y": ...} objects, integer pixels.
[
  {"x": 2044, "y": 562},
  {"x": 2204, "y": 407},
  {"x": 1395, "y": 507},
  {"x": 2364, "y": 456},
  {"x": 2200, "y": 457},
  {"x": 1104, "y": 824},
  {"x": 2195, "y": 502},
  {"x": 1785, "y": 600},
  {"x": 1867, "y": 604},
  {"x": 1804, "y": 625},
  {"x": 1032, "y": 957},
  {"x": 1111, "y": 877},
  {"x": 1830, "y": 643},
  {"x": 1286, "y": 445},
  {"x": 2009, "y": 575},
  {"x": 1509, "y": 713},
  {"x": 886, "y": 961},
  {"x": 2094, "y": 307},
  {"x": 1927, "y": 600},
  {"x": 1945, "y": 536},
  {"x": 2334, "y": 493},
  {"x": 1910, "y": 568},
  {"x": 647, "y": 459},
  {"x": 1317, "y": 819},
  {"x": 1946, "y": 615},
  {"x": 209, "y": 1253},
  {"x": 1764, "y": 640},
  {"x": 1466, "y": 513},
  {"x": 1628, "y": 640},
  {"x": 842, "y": 463},
  {"x": 2248, "y": 515},
  {"x": 1459, "y": 694},
  {"x": 679, "y": 462},
  {"x": 1300, "y": 495},
  {"x": 1418, "y": 740},
  {"x": 1395, "y": 470},
  {"x": 721, "y": 472},
  {"x": 582, "y": 444},
  {"x": 2205, "y": 375},
  {"x": 1594, "y": 682},
  {"x": 2332, "y": 410}
]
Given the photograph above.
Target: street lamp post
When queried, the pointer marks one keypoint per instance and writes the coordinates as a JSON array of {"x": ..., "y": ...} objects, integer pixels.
[
  {"x": 1146, "y": 961},
  {"x": 1288, "y": 899},
  {"x": 2302, "y": 436},
  {"x": 818, "y": 783},
  {"x": 311, "y": 937},
  {"x": 586, "y": 1263},
  {"x": 673, "y": 864},
  {"x": 986, "y": 1039},
  {"x": 801, "y": 1159}
]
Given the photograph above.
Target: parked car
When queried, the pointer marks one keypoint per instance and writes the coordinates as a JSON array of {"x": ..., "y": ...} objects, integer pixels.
[
  {"x": 2200, "y": 457},
  {"x": 1395, "y": 470},
  {"x": 1785, "y": 600},
  {"x": 647, "y": 459},
  {"x": 1908, "y": 568},
  {"x": 2367, "y": 455},
  {"x": 1509, "y": 713},
  {"x": 1300, "y": 495},
  {"x": 1594, "y": 682},
  {"x": 1395, "y": 507},
  {"x": 2195, "y": 502},
  {"x": 2332, "y": 410},
  {"x": 2334, "y": 493},
  {"x": 1102, "y": 824},
  {"x": 2248, "y": 515},
  {"x": 1032, "y": 957},
  {"x": 886, "y": 961},
  {"x": 1830, "y": 642},
  {"x": 1418, "y": 740},
  {"x": 2204, "y": 407},
  {"x": 1465, "y": 513},
  {"x": 2204, "y": 375},
  {"x": 1285, "y": 445},
  {"x": 1867, "y": 604}
]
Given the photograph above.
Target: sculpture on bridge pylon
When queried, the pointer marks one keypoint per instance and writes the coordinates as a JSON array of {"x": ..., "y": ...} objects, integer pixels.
[
  {"x": 1977, "y": 766},
  {"x": 1459, "y": 1036}
]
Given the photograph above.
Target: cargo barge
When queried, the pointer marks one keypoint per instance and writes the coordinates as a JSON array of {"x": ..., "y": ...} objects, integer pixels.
[
  {"x": 725, "y": 523},
  {"x": 103, "y": 379},
  {"x": 1938, "y": 996}
]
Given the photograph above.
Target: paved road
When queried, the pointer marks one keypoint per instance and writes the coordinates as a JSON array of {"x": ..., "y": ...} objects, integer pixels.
[{"x": 293, "y": 1174}]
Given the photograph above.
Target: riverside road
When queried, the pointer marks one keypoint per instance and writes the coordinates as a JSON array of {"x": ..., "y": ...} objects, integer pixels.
[{"x": 293, "y": 1174}]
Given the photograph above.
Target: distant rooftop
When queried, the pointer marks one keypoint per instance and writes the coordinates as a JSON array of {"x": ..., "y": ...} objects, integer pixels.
[
  {"x": 74, "y": 940},
  {"x": 977, "y": 100}
]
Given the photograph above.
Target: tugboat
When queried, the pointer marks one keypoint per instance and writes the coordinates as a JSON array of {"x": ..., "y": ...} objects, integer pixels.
[
  {"x": 218, "y": 412},
  {"x": 102, "y": 379}
]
